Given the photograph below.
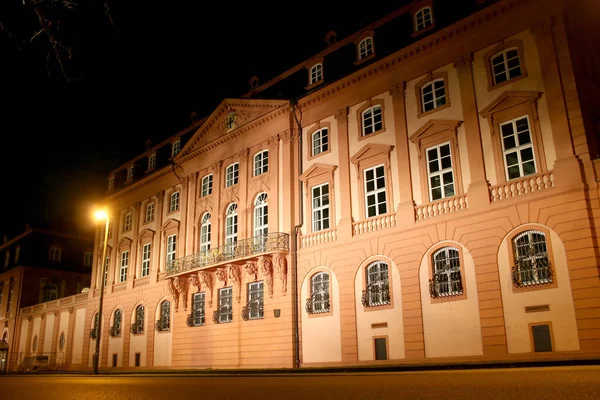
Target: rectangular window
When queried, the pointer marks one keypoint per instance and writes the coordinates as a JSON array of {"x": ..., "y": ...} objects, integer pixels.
[
  {"x": 255, "y": 300},
  {"x": 152, "y": 161},
  {"x": 174, "y": 204},
  {"x": 18, "y": 254},
  {"x": 225, "y": 305},
  {"x": 128, "y": 222},
  {"x": 506, "y": 65},
  {"x": 372, "y": 120},
  {"x": 7, "y": 258},
  {"x": 440, "y": 172},
  {"x": 231, "y": 175},
  {"x": 198, "y": 309},
  {"x": 146, "y": 260},
  {"x": 124, "y": 264},
  {"x": 87, "y": 259},
  {"x": 106, "y": 271},
  {"x": 517, "y": 148},
  {"x": 150, "y": 212},
  {"x": 542, "y": 341},
  {"x": 207, "y": 183},
  {"x": 380, "y": 348},
  {"x": 375, "y": 194},
  {"x": 55, "y": 254},
  {"x": 261, "y": 163},
  {"x": 320, "y": 207},
  {"x": 171, "y": 247},
  {"x": 320, "y": 141}
]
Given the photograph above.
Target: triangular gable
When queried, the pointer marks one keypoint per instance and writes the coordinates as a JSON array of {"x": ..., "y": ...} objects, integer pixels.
[
  {"x": 124, "y": 242},
  {"x": 170, "y": 224},
  {"x": 371, "y": 150},
  {"x": 229, "y": 116},
  {"x": 509, "y": 99},
  {"x": 317, "y": 169},
  {"x": 146, "y": 233},
  {"x": 433, "y": 127}
]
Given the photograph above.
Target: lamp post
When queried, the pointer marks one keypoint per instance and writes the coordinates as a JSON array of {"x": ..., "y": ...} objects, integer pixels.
[{"x": 100, "y": 215}]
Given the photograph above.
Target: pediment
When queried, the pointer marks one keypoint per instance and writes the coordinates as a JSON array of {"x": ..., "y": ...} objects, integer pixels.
[
  {"x": 371, "y": 150},
  {"x": 316, "y": 170},
  {"x": 433, "y": 127},
  {"x": 125, "y": 242},
  {"x": 170, "y": 224},
  {"x": 509, "y": 99},
  {"x": 146, "y": 233},
  {"x": 229, "y": 116}
]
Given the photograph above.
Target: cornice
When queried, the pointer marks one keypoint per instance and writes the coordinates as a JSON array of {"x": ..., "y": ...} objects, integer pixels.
[
  {"x": 166, "y": 170},
  {"x": 414, "y": 50}
]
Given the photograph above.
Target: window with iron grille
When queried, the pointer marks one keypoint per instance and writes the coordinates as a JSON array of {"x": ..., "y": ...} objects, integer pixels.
[
  {"x": 164, "y": 321},
  {"x": 320, "y": 141},
  {"x": 506, "y": 65},
  {"x": 205, "y": 232},
  {"x": 372, "y": 120},
  {"x": 171, "y": 247},
  {"x": 207, "y": 183},
  {"x": 231, "y": 174},
  {"x": 320, "y": 207},
  {"x": 150, "y": 212},
  {"x": 197, "y": 317},
  {"x": 319, "y": 299},
  {"x": 124, "y": 265},
  {"x": 146, "y": 259},
  {"x": 433, "y": 95},
  {"x": 174, "y": 204},
  {"x": 423, "y": 18},
  {"x": 115, "y": 330},
  {"x": 261, "y": 163},
  {"x": 440, "y": 171},
  {"x": 447, "y": 280},
  {"x": 316, "y": 73},
  {"x": 225, "y": 310},
  {"x": 255, "y": 307},
  {"x": 377, "y": 292},
  {"x": 138, "y": 326},
  {"x": 517, "y": 148},
  {"x": 532, "y": 265},
  {"x": 375, "y": 192},
  {"x": 365, "y": 48}
]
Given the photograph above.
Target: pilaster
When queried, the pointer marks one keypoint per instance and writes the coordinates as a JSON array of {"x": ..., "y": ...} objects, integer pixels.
[{"x": 344, "y": 225}]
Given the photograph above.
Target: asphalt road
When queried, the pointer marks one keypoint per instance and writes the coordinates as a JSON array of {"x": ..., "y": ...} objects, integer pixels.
[{"x": 581, "y": 383}]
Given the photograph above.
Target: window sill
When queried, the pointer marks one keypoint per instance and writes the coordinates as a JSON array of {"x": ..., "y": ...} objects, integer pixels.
[
  {"x": 364, "y": 59},
  {"x": 423, "y": 30},
  {"x": 426, "y": 113},
  {"x": 370, "y": 135},
  {"x": 312, "y": 157},
  {"x": 389, "y": 306},
  {"x": 508, "y": 82},
  {"x": 314, "y": 84}
]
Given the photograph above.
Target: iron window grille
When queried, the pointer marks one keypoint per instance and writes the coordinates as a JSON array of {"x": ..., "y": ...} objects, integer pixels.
[
  {"x": 138, "y": 326},
  {"x": 94, "y": 330},
  {"x": 115, "y": 330},
  {"x": 447, "y": 279},
  {"x": 532, "y": 265},
  {"x": 255, "y": 308},
  {"x": 197, "y": 316},
  {"x": 164, "y": 322},
  {"x": 318, "y": 302},
  {"x": 377, "y": 292},
  {"x": 224, "y": 313}
]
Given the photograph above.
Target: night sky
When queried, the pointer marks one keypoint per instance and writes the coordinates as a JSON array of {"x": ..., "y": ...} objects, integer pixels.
[{"x": 136, "y": 78}]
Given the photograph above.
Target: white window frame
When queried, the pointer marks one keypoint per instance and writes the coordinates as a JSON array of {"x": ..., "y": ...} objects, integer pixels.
[
  {"x": 150, "y": 211},
  {"x": 174, "y": 202},
  {"x": 232, "y": 174},
  {"x": 261, "y": 215},
  {"x": 376, "y": 190},
  {"x": 124, "y": 266},
  {"x": 365, "y": 48},
  {"x": 231, "y": 224},
  {"x": 128, "y": 222},
  {"x": 205, "y": 231},
  {"x": 88, "y": 259},
  {"x": 506, "y": 69},
  {"x": 425, "y": 15},
  {"x": 225, "y": 304},
  {"x": 55, "y": 254},
  {"x": 376, "y": 275},
  {"x": 261, "y": 162},
  {"x": 446, "y": 264},
  {"x": 152, "y": 161},
  {"x": 434, "y": 94},
  {"x": 319, "y": 284},
  {"x": 175, "y": 148},
  {"x": 256, "y": 294},
  {"x": 533, "y": 252},
  {"x": 111, "y": 183},
  {"x": 316, "y": 73},
  {"x": 207, "y": 185},
  {"x": 519, "y": 148},
  {"x": 320, "y": 141},
  {"x": 441, "y": 172},
  {"x": 369, "y": 121},
  {"x": 171, "y": 247},
  {"x": 198, "y": 309},
  {"x": 130, "y": 172},
  {"x": 320, "y": 205},
  {"x": 146, "y": 252}
]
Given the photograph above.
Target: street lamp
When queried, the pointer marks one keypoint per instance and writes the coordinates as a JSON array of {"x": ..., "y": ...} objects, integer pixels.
[{"x": 100, "y": 215}]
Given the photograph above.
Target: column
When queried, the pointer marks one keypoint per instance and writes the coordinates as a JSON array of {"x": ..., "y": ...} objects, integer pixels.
[
  {"x": 180, "y": 250},
  {"x": 344, "y": 226},
  {"x": 191, "y": 214},
  {"x": 157, "y": 240}
]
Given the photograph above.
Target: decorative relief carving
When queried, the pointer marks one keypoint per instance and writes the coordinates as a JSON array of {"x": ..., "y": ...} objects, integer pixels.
[
  {"x": 230, "y": 194},
  {"x": 273, "y": 142},
  {"x": 266, "y": 270},
  {"x": 281, "y": 269},
  {"x": 397, "y": 91},
  {"x": 215, "y": 167},
  {"x": 464, "y": 61},
  {"x": 173, "y": 291},
  {"x": 236, "y": 276},
  {"x": 195, "y": 282},
  {"x": 251, "y": 270},
  {"x": 341, "y": 116},
  {"x": 243, "y": 155},
  {"x": 205, "y": 280},
  {"x": 288, "y": 136},
  {"x": 221, "y": 275},
  {"x": 259, "y": 183},
  {"x": 182, "y": 289}
]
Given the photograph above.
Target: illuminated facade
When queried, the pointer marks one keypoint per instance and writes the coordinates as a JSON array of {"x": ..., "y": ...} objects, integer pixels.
[{"x": 433, "y": 199}]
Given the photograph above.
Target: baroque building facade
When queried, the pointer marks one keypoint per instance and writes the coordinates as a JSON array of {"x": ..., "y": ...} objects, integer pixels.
[{"x": 423, "y": 190}]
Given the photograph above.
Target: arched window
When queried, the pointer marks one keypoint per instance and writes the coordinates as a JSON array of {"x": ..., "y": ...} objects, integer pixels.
[
  {"x": 61, "y": 341},
  {"x": 365, "y": 48},
  {"x": 319, "y": 298},
  {"x": 377, "y": 292},
  {"x": 95, "y": 326},
  {"x": 207, "y": 182},
  {"x": 433, "y": 95},
  {"x": 138, "y": 326},
  {"x": 50, "y": 292},
  {"x": 320, "y": 141},
  {"x": 532, "y": 265},
  {"x": 150, "y": 212},
  {"x": 231, "y": 228},
  {"x": 316, "y": 73},
  {"x": 232, "y": 174},
  {"x": 261, "y": 221},
  {"x": 423, "y": 18},
  {"x": 372, "y": 120},
  {"x": 205, "y": 232},
  {"x": 115, "y": 330},
  {"x": 447, "y": 280},
  {"x": 174, "y": 204},
  {"x": 164, "y": 321},
  {"x": 261, "y": 163}
]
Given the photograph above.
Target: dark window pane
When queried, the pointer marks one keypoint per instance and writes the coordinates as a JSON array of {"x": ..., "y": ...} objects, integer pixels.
[
  {"x": 512, "y": 159},
  {"x": 433, "y": 166},
  {"x": 436, "y": 194},
  {"x": 448, "y": 178},
  {"x": 528, "y": 168},
  {"x": 382, "y": 209},
  {"x": 509, "y": 142},
  {"x": 507, "y": 130},
  {"x": 432, "y": 154},
  {"x": 435, "y": 181},
  {"x": 515, "y": 72},
  {"x": 513, "y": 172},
  {"x": 445, "y": 150},
  {"x": 500, "y": 78},
  {"x": 527, "y": 154},
  {"x": 446, "y": 162}
]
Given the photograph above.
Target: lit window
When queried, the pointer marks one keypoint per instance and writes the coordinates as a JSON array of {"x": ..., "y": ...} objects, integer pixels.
[
  {"x": 205, "y": 233},
  {"x": 320, "y": 207},
  {"x": 433, "y": 95},
  {"x": 377, "y": 292},
  {"x": 18, "y": 254},
  {"x": 225, "y": 310},
  {"x": 319, "y": 299},
  {"x": 174, "y": 204},
  {"x": 87, "y": 259},
  {"x": 55, "y": 254},
  {"x": 447, "y": 280},
  {"x": 316, "y": 73},
  {"x": 175, "y": 148},
  {"x": 531, "y": 258},
  {"x": 375, "y": 193},
  {"x": 320, "y": 141},
  {"x": 441, "y": 174},
  {"x": 150, "y": 212},
  {"x": 506, "y": 65},
  {"x": 372, "y": 120},
  {"x": 231, "y": 174},
  {"x": 517, "y": 148},
  {"x": 124, "y": 265},
  {"x": 128, "y": 222},
  {"x": 138, "y": 326},
  {"x": 111, "y": 183},
  {"x": 255, "y": 308},
  {"x": 365, "y": 48},
  {"x": 130, "y": 173},
  {"x": 423, "y": 18},
  {"x": 50, "y": 293},
  {"x": 164, "y": 322},
  {"x": 231, "y": 228},
  {"x": 198, "y": 310},
  {"x": 261, "y": 163},
  {"x": 146, "y": 259},
  {"x": 171, "y": 247},
  {"x": 152, "y": 161},
  {"x": 207, "y": 183}
]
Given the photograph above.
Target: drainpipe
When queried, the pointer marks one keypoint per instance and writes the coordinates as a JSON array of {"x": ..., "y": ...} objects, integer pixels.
[{"x": 295, "y": 237}]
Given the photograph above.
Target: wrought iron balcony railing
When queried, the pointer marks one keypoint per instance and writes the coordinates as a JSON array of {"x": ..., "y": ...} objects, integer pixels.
[
  {"x": 94, "y": 333},
  {"x": 137, "y": 327},
  {"x": 276, "y": 241},
  {"x": 531, "y": 272},
  {"x": 196, "y": 318},
  {"x": 376, "y": 294},
  {"x": 318, "y": 303},
  {"x": 115, "y": 330},
  {"x": 163, "y": 324},
  {"x": 443, "y": 285},
  {"x": 254, "y": 310},
  {"x": 222, "y": 315}
]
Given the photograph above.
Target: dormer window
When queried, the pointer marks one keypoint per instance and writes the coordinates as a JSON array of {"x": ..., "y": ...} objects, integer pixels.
[
  {"x": 152, "y": 162},
  {"x": 365, "y": 48},
  {"x": 175, "y": 148},
  {"x": 111, "y": 183},
  {"x": 130, "y": 173},
  {"x": 316, "y": 73},
  {"x": 423, "y": 18},
  {"x": 55, "y": 254},
  {"x": 422, "y": 15}
]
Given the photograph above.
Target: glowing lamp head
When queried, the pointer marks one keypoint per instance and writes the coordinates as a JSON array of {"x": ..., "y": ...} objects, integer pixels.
[{"x": 100, "y": 215}]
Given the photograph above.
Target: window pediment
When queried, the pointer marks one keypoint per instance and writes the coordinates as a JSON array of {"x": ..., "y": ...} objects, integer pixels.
[
  {"x": 508, "y": 100},
  {"x": 146, "y": 234},
  {"x": 170, "y": 225},
  {"x": 432, "y": 128},
  {"x": 371, "y": 150},
  {"x": 316, "y": 170},
  {"x": 125, "y": 242}
]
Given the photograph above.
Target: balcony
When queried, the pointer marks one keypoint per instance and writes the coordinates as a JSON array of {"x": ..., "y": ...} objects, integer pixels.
[{"x": 238, "y": 251}]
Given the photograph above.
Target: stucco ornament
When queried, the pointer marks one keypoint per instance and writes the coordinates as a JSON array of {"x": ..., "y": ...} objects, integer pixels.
[
  {"x": 174, "y": 292},
  {"x": 266, "y": 270},
  {"x": 221, "y": 274},
  {"x": 281, "y": 269},
  {"x": 205, "y": 280},
  {"x": 251, "y": 270},
  {"x": 236, "y": 276},
  {"x": 195, "y": 282},
  {"x": 182, "y": 288}
]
